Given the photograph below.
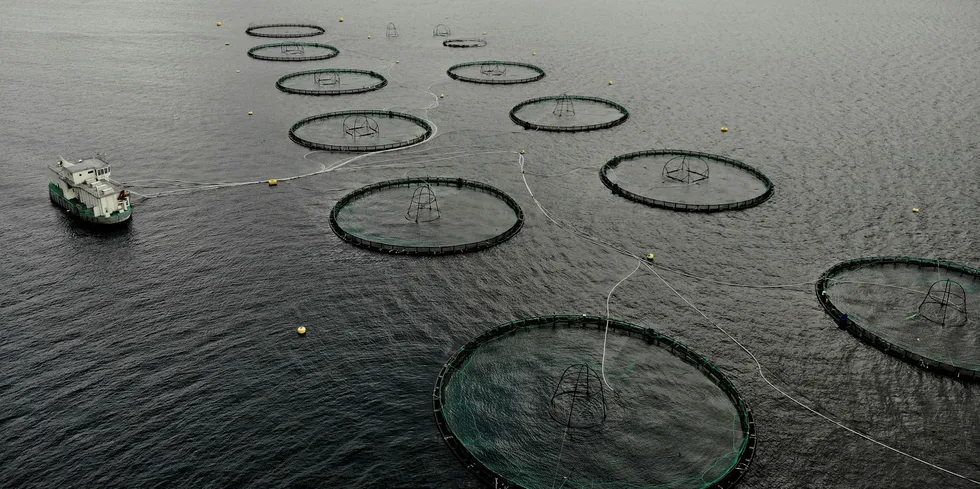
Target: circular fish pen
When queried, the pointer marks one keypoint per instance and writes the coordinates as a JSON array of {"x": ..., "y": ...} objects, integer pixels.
[
  {"x": 331, "y": 82},
  {"x": 359, "y": 130},
  {"x": 926, "y": 312},
  {"x": 552, "y": 401},
  {"x": 426, "y": 216},
  {"x": 293, "y": 51},
  {"x": 682, "y": 180},
  {"x": 495, "y": 72},
  {"x": 284, "y": 31},
  {"x": 568, "y": 113},
  {"x": 464, "y": 43}
]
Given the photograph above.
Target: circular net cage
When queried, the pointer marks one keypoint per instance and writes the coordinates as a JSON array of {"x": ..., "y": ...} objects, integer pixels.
[
  {"x": 443, "y": 216},
  {"x": 579, "y": 401},
  {"x": 441, "y": 30},
  {"x": 568, "y": 113},
  {"x": 360, "y": 125},
  {"x": 391, "y": 30},
  {"x": 464, "y": 43},
  {"x": 284, "y": 31},
  {"x": 360, "y": 130},
  {"x": 534, "y": 403},
  {"x": 495, "y": 72},
  {"x": 331, "y": 82},
  {"x": 424, "y": 206},
  {"x": 679, "y": 180},
  {"x": 293, "y": 51},
  {"x": 921, "y": 311}
]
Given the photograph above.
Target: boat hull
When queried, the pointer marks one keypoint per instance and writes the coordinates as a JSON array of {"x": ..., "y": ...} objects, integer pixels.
[{"x": 83, "y": 213}]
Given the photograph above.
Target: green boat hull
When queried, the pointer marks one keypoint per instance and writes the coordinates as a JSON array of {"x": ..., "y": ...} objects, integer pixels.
[{"x": 77, "y": 209}]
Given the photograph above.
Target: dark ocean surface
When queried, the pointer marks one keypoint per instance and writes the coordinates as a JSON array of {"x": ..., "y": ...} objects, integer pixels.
[{"x": 166, "y": 355}]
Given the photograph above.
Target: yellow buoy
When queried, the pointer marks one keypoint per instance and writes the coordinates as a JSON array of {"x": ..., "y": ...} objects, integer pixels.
[
  {"x": 442, "y": 95},
  {"x": 534, "y": 54},
  {"x": 273, "y": 182},
  {"x": 522, "y": 151},
  {"x": 915, "y": 209},
  {"x": 238, "y": 71},
  {"x": 650, "y": 257},
  {"x": 219, "y": 24},
  {"x": 724, "y": 129},
  {"x": 250, "y": 112},
  {"x": 610, "y": 82},
  {"x": 369, "y": 37},
  {"x": 301, "y": 330},
  {"x": 396, "y": 62},
  {"x": 227, "y": 44},
  {"x": 341, "y": 19}
]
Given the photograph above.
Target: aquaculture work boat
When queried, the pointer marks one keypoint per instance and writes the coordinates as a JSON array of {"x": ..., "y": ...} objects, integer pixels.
[{"x": 84, "y": 190}]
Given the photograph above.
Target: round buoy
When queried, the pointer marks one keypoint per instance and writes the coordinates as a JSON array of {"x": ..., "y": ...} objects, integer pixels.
[
  {"x": 522, "y": 151},
  {"x": 442, "y": 95},
  {"x": 534, "y": 54},
  {"x": 724, "y": 129},
  {"x": 227, "y": 44},
  {"x": 238, "y": 71},
  {"x": 369, "y": 37},
  {"x": 915, "y": 209},
  {"x": 341, "y": 19},
  {"x": 219, "y": 24},
  {"x": 610, "y": 82},
  {"x": 301, "y": 330},
  {"x": 650, "y": 257},
  {"x": 484, "y": 33},
  {"x": 396, "y": 62},
  {"x": 250, "y": 112}
]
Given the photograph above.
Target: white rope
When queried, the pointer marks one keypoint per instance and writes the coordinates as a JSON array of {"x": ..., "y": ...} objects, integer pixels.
[{"x": 602, "y": 365}]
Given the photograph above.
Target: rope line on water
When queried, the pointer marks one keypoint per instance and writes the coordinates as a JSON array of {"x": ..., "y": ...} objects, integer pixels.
[
  {"x": 602, "y": 364},
  {"x": 588, "y": 237}
]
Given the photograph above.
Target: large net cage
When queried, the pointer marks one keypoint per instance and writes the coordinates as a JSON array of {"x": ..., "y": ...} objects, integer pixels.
[
  {"x": 921, "y": 311},
  {"x": 360, "y": 130},
  {"x": 538, "y": 403},
  {"x": 284, "y": 30},
  {"x": 441, "y": 30},
  {"x": 444, "y": 216},
  {"x": 678, "y": 179},
  {"x": 495, "y": 72},
  {"x": 331, "y": 82},
  {"x": 293, "y": 51},
  {"x": 568, "y": 113}
]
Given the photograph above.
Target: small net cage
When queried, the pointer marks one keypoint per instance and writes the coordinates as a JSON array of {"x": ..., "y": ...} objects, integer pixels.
[
  {"x": 424, "y": 206},
  {"x": 685, "y": 169},
  {"x": 292, "y": 49},
  {"x": 564, "y": 106},
  {"x": 441, "y": 30},
  {"x": 326, "y": 79},
  {"x": 493, "y": 69},
  {"x": 945, "y": 304},
  {"x": 391, "y": 30},
  {"x": 359, "y": 126},
  {"x": 579, "y": 401}
]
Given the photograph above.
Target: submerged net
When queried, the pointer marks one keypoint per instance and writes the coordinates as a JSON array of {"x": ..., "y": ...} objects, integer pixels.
[
  {"x": 495, "y": 72},
  {"x": 926, "y": 312},
  {"x": 426, "y": 216},
  {"x": 331, "y": 82},
  {"x": 283, "y": 31},
  {"x": 293, "y": 51},
  {"x": 568, "y": 113},
  {"x": 359, "y": 130},
  {"x": 686, "y": 180},
  {"x": 524, "y": 405}
]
